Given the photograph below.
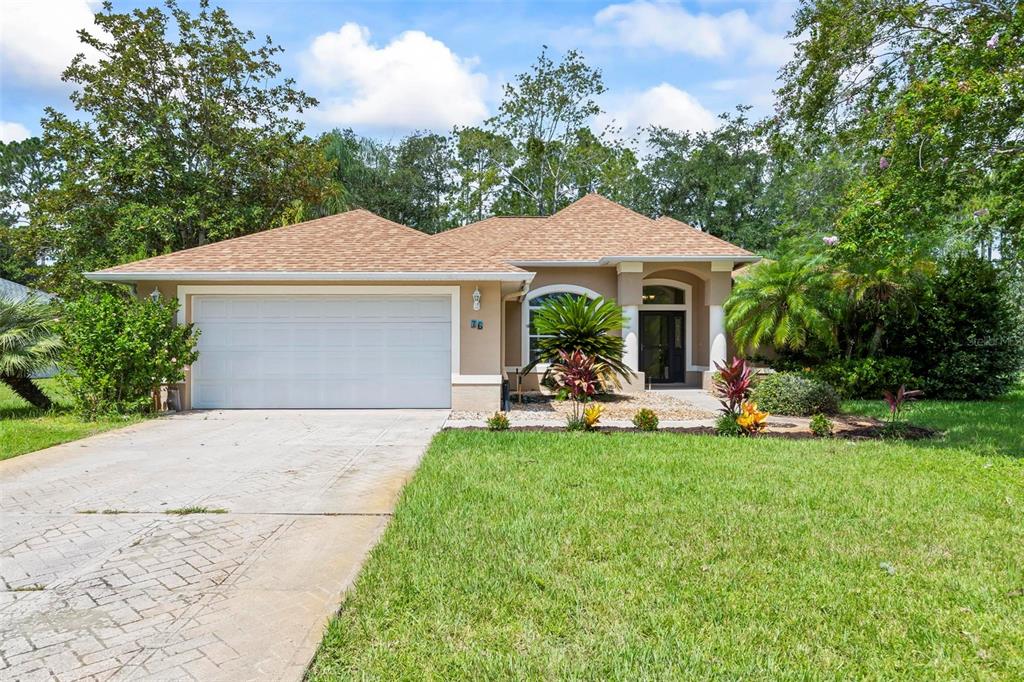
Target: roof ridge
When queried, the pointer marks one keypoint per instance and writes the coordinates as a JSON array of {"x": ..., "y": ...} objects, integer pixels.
[
  {"x": 605, "y": 200},
  {"x": 705, "y": 233},
  {"x": 484, "y": 220}
]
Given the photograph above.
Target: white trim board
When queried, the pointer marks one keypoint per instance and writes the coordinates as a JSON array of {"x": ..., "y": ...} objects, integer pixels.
[
  {"x": 476, "y": 379},
  {"x": 614, "y": 260},
  {"x": 186, "y": 290}
]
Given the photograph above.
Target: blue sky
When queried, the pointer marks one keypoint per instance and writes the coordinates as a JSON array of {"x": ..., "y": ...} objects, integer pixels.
[{"x": 386, "y": 68}]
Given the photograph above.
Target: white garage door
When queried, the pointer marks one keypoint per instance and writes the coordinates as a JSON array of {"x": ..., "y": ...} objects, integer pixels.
[{"x": 322, "y": 351}]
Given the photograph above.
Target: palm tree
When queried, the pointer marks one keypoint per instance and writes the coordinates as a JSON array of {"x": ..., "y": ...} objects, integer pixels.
[
  {"x": 877, "y": 290},
  {"x": 578, "y": 323},
  {"x": 28, "y": 344},
  {"x": 789, "y": 304}
]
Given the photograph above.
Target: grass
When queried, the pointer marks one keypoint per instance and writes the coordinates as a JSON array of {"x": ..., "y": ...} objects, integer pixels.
[
  {"x": 185, "y": 511},
  {"x": 24, "y": 428},
  {"x": 991, "y": 427},
  {"x": 652, "y": 556}
]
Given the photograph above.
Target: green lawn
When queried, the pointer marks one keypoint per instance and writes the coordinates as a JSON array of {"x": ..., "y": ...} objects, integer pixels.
[
  {"x": 983, "y": 427},
  {"x": 26, "y": 429},
  {"x": 588, "y": 556}
]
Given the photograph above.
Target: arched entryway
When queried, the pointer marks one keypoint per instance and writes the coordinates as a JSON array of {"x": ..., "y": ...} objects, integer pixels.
[{"x": 666, "y": 331}]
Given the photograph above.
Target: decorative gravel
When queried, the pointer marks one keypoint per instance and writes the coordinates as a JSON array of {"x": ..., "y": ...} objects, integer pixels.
[{"x": 618, "y": 406}]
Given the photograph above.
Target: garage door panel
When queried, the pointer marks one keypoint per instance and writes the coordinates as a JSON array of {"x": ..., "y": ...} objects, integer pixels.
[{"x": 322, "y": 351}]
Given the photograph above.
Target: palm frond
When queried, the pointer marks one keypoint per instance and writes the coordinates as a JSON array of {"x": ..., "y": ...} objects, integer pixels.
[{"x": 28, "y": 338}]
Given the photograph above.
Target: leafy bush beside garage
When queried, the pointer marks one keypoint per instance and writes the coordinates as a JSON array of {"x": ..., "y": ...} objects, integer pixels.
[{"x": 118, "y": 350}]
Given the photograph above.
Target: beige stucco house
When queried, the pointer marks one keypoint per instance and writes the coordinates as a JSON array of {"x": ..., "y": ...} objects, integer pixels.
[{"x": 355, "y": 311}]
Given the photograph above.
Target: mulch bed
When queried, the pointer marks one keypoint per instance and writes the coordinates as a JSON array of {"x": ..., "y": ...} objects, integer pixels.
[{"x": 853, "y": 429}]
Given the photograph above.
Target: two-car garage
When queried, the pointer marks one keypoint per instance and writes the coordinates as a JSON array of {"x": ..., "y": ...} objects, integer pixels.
[{"x": 322, "y": 351}]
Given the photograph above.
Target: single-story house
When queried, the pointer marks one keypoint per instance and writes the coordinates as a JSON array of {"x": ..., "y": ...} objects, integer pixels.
[{"x": 355, "y": 311}]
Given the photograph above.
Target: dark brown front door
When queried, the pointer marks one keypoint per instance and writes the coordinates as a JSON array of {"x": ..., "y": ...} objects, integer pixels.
[{"x": 663, "y": 346}]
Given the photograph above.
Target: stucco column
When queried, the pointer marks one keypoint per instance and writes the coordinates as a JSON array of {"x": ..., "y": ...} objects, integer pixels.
[
  {"x": 629, "y": 297},
  {"x": 631, "y": 336},
  {"x": 716, "y": 330},
  {"x": 717, "y": 292}
]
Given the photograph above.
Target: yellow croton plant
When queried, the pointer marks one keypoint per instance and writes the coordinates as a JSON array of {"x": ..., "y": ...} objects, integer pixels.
[{"x": 751, "y": 419}]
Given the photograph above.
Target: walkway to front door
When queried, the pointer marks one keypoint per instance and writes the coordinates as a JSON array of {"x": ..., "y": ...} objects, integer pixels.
[{"x": 663, "y": 346}]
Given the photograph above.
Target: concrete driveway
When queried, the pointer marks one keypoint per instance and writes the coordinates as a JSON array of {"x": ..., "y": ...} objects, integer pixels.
[{"x": 99, "y": 581}]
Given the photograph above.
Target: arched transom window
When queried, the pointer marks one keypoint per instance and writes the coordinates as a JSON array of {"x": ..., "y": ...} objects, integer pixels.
[
  {"x": 663, "y": 294},
  {"x": 535, "y": 300}
]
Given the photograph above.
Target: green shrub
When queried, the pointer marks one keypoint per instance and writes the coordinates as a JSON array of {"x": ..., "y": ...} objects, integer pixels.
[
  {"x": 966, "y": 340},
  {"x": 821, "y": 426},
  {"x": 645, "y": 420},
  {"x": 865, "y": 377},
  {"x": 119, "y": 350},
  {"x": 894, "y": 430},
  {"x": 795, "y": 394},
  {"x": 726, "y": 426},
  {"x": 497, "y": 422}
]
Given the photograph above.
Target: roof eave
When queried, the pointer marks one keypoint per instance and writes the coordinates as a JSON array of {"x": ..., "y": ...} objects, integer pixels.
[
  {"x": 614, "y": 260},
  {"x": 249, "y": 276}
]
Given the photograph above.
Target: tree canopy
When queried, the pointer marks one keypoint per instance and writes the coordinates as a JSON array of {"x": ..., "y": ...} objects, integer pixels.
[{"x": 182, "y": 135}]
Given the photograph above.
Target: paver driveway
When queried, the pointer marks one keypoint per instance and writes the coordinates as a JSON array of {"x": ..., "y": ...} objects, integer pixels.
[{"x": 99, "y": 581}]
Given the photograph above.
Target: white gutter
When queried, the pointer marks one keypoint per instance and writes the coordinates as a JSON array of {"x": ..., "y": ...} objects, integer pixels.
[
  {"x": 613, "y": 260},
  {"x": 188, "y": 276}
]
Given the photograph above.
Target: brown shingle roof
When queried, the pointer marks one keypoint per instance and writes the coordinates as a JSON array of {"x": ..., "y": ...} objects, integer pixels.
[
  {"x": 591, "y": 229},
  {"x": 356, "y": 241}
]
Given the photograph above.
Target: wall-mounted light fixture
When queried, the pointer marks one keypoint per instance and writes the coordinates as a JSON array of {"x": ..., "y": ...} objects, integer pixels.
[
  {"x": 476, "y": 298},
  {"x": 154, "y": 296}
]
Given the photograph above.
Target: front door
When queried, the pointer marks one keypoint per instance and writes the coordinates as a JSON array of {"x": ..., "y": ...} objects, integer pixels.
[{"x": 663, "y": 346}]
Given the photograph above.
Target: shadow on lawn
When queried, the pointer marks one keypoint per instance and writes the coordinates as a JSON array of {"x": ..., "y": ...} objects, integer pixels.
[{"x": 29, "y": 412}]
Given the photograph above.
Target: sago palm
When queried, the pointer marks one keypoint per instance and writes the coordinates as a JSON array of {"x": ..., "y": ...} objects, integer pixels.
[
  {"x": 29, "y": 343},
  {"x": 788, "y": 304},
  {"x": 571, "y": 323}
]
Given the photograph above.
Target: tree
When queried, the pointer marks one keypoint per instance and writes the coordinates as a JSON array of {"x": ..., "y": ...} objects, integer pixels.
[
  {"x": 789, "y": 304},
  {"x": 24, "y": 172},
  {"x": 29, "y": 343},
  {"x": 424, "y": 167},
  {"x": 607, "y": 167},
  {"x": 933, "y": 93},
  {"x": 480, "y": 156},
  {"x": 540, "y": 115},
  {"x": 182, "y": 136},
  {"x": 716, "y": 180},
  {"x": 967, "y": 339}
]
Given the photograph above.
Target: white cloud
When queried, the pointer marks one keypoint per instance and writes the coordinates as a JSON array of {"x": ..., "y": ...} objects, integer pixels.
[
  {"x": 414, "y": 81},
  {"x": 663, "y": 105},
  {"x": 39, "y": 39},
  {"x": 671, "y": 27},
  {"x": 12, "y": 132}
]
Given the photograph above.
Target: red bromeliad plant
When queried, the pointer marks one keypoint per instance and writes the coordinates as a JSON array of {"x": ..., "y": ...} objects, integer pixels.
[
  {"x": 576, "y": 376},
  {"x": 898, "y": 400},
  {"x": 733, "y": 384}
]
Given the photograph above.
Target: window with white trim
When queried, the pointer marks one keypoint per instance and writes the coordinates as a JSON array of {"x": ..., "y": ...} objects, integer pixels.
[
  {"x": 535, "y": 304},
  {"x": 536, "y": 300}
]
